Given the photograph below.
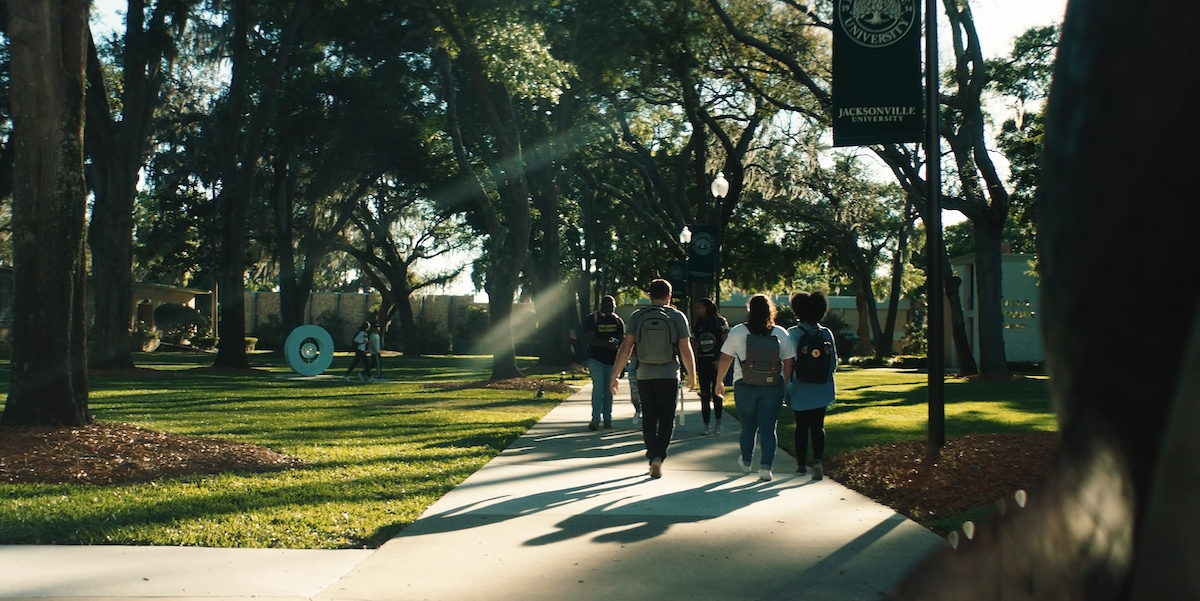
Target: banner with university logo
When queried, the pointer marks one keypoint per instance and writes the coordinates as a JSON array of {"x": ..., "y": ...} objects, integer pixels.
[
  {"x": 702, "y": 253},
  {"x": 877, "y": 92}
]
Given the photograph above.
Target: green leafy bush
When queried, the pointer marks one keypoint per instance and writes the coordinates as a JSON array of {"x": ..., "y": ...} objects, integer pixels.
[
  {"x": 178, "y": 322},
  {"x": 269, "y": 334}
]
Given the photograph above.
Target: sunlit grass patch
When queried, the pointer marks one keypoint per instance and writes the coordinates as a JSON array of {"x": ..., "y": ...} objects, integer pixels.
[{"x": 375, "y": 455}]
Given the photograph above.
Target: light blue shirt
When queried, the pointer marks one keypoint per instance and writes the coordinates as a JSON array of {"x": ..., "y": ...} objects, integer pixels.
[{"x": 803, "y": 396}]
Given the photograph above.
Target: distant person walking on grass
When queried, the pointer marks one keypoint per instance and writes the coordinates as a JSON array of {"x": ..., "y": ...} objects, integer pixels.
[
  {"x": 709, "y": 332},
  {"x": 604, "y": 330},
  {"x": 811, "y": 390},
  {"x": 659, "y": 335},
  {"x": 360, "y": 353},
  {"x": 764, "y": 363},
  {"x": 375, "y": 349}
]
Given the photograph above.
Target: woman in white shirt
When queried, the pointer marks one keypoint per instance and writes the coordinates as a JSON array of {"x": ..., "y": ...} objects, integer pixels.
[{"x": 758, "y": 379}]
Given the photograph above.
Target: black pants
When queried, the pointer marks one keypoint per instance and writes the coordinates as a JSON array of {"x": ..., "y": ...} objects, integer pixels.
[
  {"x": 364, "y": 358},
  {"x": 706, "y": 375},
  {"x": 658, "y": 415},
  {"x": 811, "y": 421}
]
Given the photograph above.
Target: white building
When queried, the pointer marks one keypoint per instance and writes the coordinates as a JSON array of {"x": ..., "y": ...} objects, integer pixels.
[{"x": 1022, "y": 329}]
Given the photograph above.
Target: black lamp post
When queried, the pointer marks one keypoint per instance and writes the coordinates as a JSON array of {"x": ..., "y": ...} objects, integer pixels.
[
  {"x": 685, "y": 238},
  {"x": 719, "y": 187}
]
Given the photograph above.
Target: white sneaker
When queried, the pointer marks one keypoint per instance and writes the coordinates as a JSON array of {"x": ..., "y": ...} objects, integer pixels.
[
  {"x": 818, "y": 470},
  {"x": 637, "y": 418},
  {"x": 764, "y": 474},
  {"x": 706, "y": 431},
  {"x": 717, "y": 430},
  {"x": 346, "y": 378},
  {"x": 742, "y": 465}
]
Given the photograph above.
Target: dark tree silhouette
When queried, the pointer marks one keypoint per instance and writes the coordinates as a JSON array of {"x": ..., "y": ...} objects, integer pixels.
[
  {"x": 49, "y": 366},
  {"x": 1118, "y": 211}
]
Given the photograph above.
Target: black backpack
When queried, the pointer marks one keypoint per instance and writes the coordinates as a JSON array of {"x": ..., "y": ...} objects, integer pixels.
[
  {"x": 761, "y": 367},
  {"x": 655, "y": 337},
  {"x": 813, "y": 356}
]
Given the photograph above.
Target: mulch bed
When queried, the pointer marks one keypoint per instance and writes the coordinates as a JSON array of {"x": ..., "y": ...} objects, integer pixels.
[
  {"x": 972, "y": 471},
  {"x": 116, "y": 453},
  {"x": 531, "y": 384}
]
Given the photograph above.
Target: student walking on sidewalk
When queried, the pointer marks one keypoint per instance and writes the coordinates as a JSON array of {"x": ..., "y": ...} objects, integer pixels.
[
  {"x": 659, "y": 335},
  {"x": 710, "y": 331},
  {"x": 812, "y": 390},
  {"x": 604, "y": 330},
  {"x": 764, "y": 363}
]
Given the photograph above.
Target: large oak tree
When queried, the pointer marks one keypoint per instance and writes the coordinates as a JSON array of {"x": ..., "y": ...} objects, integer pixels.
[{"x": 49, "y": 366}]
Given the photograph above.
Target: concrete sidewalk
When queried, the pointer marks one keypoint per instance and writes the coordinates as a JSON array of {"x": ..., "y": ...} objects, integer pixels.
[{"x": 562, "y": 513}]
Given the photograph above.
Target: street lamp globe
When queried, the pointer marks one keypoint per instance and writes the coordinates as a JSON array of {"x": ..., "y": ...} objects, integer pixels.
[
  {"x": 720, "y": 186},
  {"x": 685, "y": 235}
]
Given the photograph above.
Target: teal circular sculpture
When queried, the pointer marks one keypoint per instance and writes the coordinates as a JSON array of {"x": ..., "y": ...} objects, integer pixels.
[{"x": 309, "y": 350}]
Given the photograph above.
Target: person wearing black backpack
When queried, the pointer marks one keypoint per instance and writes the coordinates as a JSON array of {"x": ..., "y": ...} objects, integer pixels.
[
  {"x": 709, "y": 332},
  {"x": 811, "y": 390},
  {"x": 659, "y": 336},
  {"x": 764, "y": 364},
  {"x": 605, "y": 330}
]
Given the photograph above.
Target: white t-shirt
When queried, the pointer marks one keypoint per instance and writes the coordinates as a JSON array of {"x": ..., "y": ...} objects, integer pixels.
[
  {"x": 360, "y": 340},
  {"x": 735, "y": 346}
]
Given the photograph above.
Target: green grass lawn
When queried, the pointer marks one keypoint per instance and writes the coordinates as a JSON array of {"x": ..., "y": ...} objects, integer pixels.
[
  {"x": 376, "y": 455},
  {"x": 883, "y": 406}
]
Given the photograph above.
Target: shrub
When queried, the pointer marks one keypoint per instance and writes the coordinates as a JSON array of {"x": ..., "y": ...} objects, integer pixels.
[
  {"x": 908, "y": 361},
  {"x": 269, "y": 334},
  {"x": 914, "y": 342},
  {"x": 178, "y": 322},
  {"x": 471, "y": 326},
  {"x": 430, "y": 339},
  {"x": 332, "y": 322},
  {"x": 866, "y": 361}
]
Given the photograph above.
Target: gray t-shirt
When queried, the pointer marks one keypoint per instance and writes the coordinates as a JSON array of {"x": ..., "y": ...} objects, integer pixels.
[{"x": 665, "y": 371}]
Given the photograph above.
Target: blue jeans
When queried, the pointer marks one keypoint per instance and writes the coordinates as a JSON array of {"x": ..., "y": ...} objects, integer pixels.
[
  {"x": 758, "y": 408},
  {"x": 602, "y": 397},
  {"x": 634, "y": 396}
]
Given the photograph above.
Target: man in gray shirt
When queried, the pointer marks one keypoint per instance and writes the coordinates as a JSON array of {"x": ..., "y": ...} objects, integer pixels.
[{"x": 660, "y": 335}]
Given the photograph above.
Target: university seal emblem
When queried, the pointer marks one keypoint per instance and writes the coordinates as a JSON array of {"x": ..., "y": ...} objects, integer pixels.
[{"x": 876, "y": 23}]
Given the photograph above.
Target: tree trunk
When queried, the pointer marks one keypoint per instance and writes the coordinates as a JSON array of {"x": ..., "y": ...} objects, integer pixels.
[
  {"x": 110, "y": 236},
  {"x": 886, "y": 343},
  {"x": 231, "y": 325},
  {"x": 504, "y": 356},
  {"x": 1117, "y": 210},
  {"x": 408, "y": 330},
  {"x": 958, "y": 326},
  {"x": 863, "y": 303},
  {"x": 989, "y": 297},
  {"x": 239, "y": 167},
  {"x": 292, "y": 298},
  {"x": 118, "y": 151},
  {"x": 501, "y": 290},
  {"x": 49, "y": 377}
]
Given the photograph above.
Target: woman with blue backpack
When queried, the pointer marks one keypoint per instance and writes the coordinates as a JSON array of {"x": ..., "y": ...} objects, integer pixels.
[{"x": 811, "y": 390}]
